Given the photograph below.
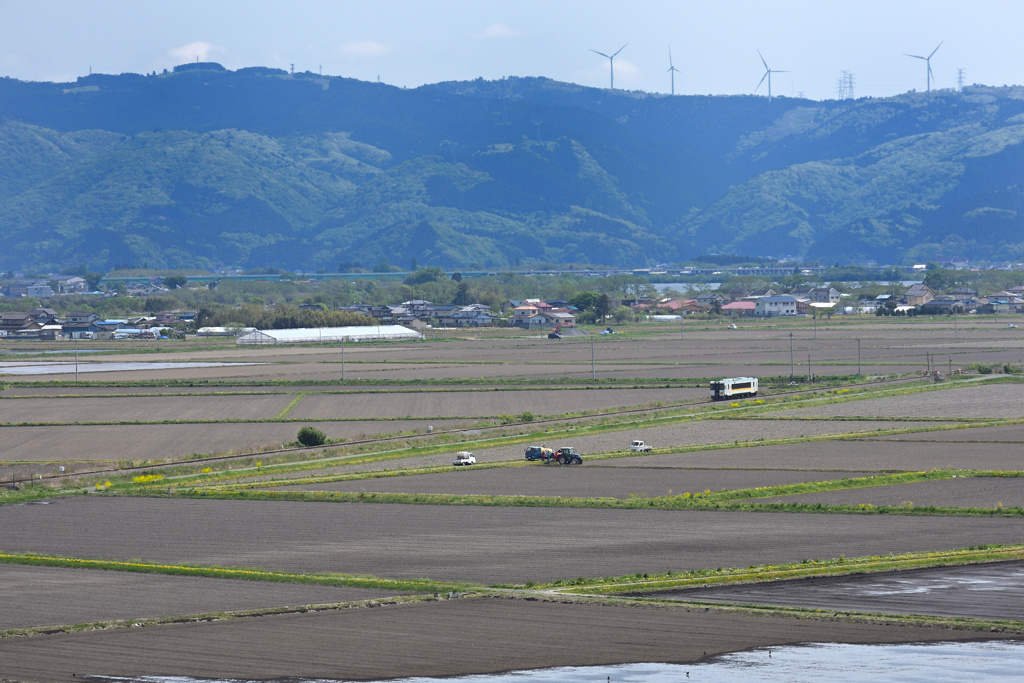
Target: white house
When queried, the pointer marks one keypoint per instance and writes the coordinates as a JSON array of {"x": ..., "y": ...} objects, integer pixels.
[{"x": 773, "y": 306}]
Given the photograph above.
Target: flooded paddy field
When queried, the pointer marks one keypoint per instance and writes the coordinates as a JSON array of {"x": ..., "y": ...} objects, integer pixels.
[
  {"x": 987, "y": 591},
  {"x": 408, "y": 387},
  {"x": 350, "y": 644}
]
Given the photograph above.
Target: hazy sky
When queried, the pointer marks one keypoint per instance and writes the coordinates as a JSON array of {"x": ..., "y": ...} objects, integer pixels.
[{"x": 412, "y": 42}]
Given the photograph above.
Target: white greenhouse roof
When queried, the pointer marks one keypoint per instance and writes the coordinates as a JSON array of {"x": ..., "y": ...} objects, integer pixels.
[{"x": 314, "y": 335}]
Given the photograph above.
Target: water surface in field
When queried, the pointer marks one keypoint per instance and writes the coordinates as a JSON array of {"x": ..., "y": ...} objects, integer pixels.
[{"x": 994, "y": 661}]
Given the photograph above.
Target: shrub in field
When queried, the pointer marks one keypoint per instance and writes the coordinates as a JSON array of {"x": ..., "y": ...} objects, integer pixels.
[
  {"x": 526, "y": 416},
  {"x": 311, "y": 436}
]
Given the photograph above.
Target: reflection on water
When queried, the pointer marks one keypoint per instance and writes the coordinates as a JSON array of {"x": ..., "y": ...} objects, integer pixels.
[{"x": 926, "y": 663}]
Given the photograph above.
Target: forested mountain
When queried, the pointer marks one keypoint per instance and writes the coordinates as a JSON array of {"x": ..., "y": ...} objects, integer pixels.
[{"x": 205, "y": 167}]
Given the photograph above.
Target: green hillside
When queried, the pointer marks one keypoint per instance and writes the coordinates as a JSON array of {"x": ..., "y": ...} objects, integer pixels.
[{"x": 205, "y": 167}]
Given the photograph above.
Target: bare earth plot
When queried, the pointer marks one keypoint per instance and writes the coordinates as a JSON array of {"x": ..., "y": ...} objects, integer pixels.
[
  {"x": 976, "y": 400},
  {"x": 49, "y": 596},
  {"x": 869, "y": 455},
  {"x": 142, "y": 408},
  {"x": 985, "y": 591},
  {"x": 699, "y": 432},
  {"x": 413, "y": 640},
  {"x": 488, "y": 545},
  {"x": 590, "y": 481},
  {"x": 483, "y": 403},
  {"x": 1008, "y": 434},
  {"x": 156, "y": 442},
  {"x": 981, "y": 492}
]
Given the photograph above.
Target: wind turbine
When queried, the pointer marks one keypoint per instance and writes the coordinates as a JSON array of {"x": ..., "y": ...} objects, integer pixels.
[
  {"x": 672, "y": 70},
  {"x": 767, "y": 74},
  {"x": 611, "y": 61},
  {"x": 928, "y": 61}
]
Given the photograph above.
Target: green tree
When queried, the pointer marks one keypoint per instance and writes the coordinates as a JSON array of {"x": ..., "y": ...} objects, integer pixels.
[
  {"x": 175, "y": 281},
  {"x": 585, "y": 301},
  {"x": 92, "y": 280},
  {"x": 311, "y": 436},
  {"x": 462, "y": 296},
  {"x": 428, "y": 274},
  {"x": 601, "y": 308},
  {"x": 382, "y": 266}
]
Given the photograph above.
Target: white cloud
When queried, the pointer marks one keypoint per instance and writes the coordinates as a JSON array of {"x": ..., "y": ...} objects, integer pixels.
[
  {"x": 366, "y": 48},
  {"x": 498, "y": 31},
  {"x": 200, "y": 48}
]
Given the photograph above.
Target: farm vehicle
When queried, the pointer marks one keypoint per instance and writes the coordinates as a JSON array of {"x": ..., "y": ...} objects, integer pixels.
[
  {"x": 639, "y": 447},
  {"x": 563, "y": 456}
]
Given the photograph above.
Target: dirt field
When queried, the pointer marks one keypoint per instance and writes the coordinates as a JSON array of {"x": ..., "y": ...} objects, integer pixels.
[
  {"x": 980, "y": 400},
  {"x": 1009, "y": 434},
  {"x": 42, "y": 596},
  {"x": 981, "y": 492},
  {"x": 488, "y": 545},
  {"x": 142, "y": 408},
  {"x": 483, "y": 544},
  {"x": 483, "y": 403},
  {"x": 992, "y": 591},
  {"x": 77, "y": 443},
  {"x": 591, "y": 481},
  {"x": 868, "y": 455},
  {"x": 416, "y": 640}
]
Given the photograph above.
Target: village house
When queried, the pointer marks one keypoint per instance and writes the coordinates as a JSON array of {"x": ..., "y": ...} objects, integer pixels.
[
  {"x": 918, "y": 294},
  {"x": 739, "y": 308},
  {"x": 774, "y": 306},
  {"x": 10, "y": 323},
  {"x": 527, "y": 316}
]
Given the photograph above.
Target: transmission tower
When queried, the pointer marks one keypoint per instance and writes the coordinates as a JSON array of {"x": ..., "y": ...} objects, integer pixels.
[
  {"x": 960, "y": 80},
  {"x": 844, "y": 86}
]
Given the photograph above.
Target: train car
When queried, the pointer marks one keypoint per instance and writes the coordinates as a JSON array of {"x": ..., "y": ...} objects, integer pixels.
[{"x": 733, "y": 387}]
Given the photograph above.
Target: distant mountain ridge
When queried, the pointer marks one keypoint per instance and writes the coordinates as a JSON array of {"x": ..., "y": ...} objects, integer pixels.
[{"x": 205, "y": 167}]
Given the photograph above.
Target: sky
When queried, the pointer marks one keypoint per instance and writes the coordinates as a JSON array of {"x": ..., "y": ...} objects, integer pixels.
[{"x": 714, "y": 44}]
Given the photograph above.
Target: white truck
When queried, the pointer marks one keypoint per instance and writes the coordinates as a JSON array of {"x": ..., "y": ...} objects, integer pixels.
[{"x": 639, "y": 447}]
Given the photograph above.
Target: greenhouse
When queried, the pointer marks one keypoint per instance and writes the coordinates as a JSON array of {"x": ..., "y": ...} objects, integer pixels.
[{"x": 329, "y": 335}]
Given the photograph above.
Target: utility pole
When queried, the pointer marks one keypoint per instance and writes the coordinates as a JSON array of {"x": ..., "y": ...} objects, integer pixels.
[
  {"x": 960, "y": 80},
  {"x": 593, "y": 367},
  {"x": 858, "y": 358},
  {"x": 342, "y": 359},
  {"x": 792, "y": 367},
  {"x": 809, "y": 376},
  {"x": 76, "y": 359}
]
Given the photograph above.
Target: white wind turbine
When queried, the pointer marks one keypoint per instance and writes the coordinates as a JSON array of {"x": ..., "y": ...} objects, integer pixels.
[
  {"x": 611, "y": 61},
  {"x": 928, "y": 61},
  {"x": 672, "y": 70},
  {"x": 767, "y": 74}
]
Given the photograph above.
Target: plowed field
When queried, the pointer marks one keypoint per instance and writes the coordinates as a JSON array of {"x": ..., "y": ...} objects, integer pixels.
[
  {"x": 415, "y": 640},
  {"x": 41, "y": 596},
  {"x": 589, "y": 481},
  {"x": 980, "y": 492},
  {"x": 489, "y": 545}
]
